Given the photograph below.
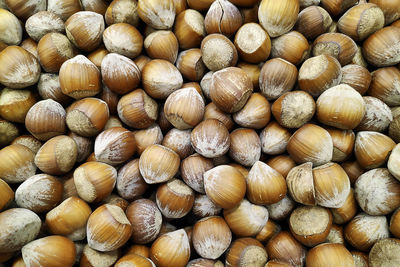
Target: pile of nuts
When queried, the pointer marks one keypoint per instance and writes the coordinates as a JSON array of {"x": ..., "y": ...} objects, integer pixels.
[{"x": 200, "y": 133}]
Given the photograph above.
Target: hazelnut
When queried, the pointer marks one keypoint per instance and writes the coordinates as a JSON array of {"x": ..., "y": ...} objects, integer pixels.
[
  {"x": 191, "y": 65},
  {"x": 52, "y": 250},
  {"x": 306, "y": 229},
  {"x": 225, "y": 186},
  {"x": 49, "y": 87},
  {"x": 245, "y": 147},
  {"x": 124, "y": 39},
  {"x": 171, "y": 249},
  {"x": 200, "y": 5},
  {"x": 353, "y": 170},
  {"x": 269, "y": 230},
  {"x": 372, "y": 149},
  {"x": 108, "y": 228},
  {"x": 281, "y": 210},
  {"x": 300, "y": 183},
  {"x": 259, "y": 177},
  {"x": 114, "y": 146},
  {"x": 385, "y": 253},
  {"x": 333, "y": 253},
  {"x": 179, "y": 141},
  {"x": 130, "y": 183},
  {"x": 10, "y": 28},
  {"x": 230, "y": 89},
  {"x": 174, "y": 199},
  {"x": 357, "y": 77},
  {"x": 91, "y": 257},
  {"x": 94, "y": 181},
  {"x": 137, "y": 109},
  {"x": 222, "y": 17},
  {"x": 211, "y": 111},
  {"x": 145, "y": 219},
  {"x": 282, "y": 164},
  {"x": 17, "y": 163},
  {"x": 176, "y": 108},
  {"x": 162, "y": 45},
  {"x": 319, "y": 73},
  {"x": 383, "y": 85},
  {"x": 373, "y": 183},
  {"x": 31, "y": 46},
  {"x": 158, "y": 164},
  {"x": 18, "y": 67},
  {"x": 19, "y": 227},
  {"x": 87, "y": 117},
  {"x": 278, "y": 18},
  {"x": 122, "y": 11},
  {"x": 338, "y": 45},
  {"x": 390, "y": 9},
  {"x": 98, "y": 6},
  {"x": 364, "y": 230},
  {"x": 45, "y": 119},
  {"x": 158, "y": 14},
  {"x": 7, "y": 195},
  {"x": 331, "y": 185},
  {"x": 246, "y": 219},
  {"x": 210, "y": 138},
  {"x": 255, "y": 113},
  {"x": 69, "y": 218},
  {"x": 292, "y": 47},
  {"x": 218, "y": 52},
  {"x": 147, "y": 137},
  {"x": 277, "y": 76},
  {"x": 211, "y": 237},
  {"x": 381, "y": 48},
  {"x": 64, "y": 8},
  {"x": 313, "y": 21},
  {"x": 79, "y": 78},
  {"x": 361, "y": 21},
  {"x": 134, "y": 259},
  {"x": 377, "y": 115},
  {"x": 274, "y": 139},
  {"x": 160, "y": 78},
  {"x": 85, "y": 29},
  {"x": 97, "y": 56},
  {"x": 343, "y": 143},
  {"x": 293, "y": 109},
  {"x": 341, "y": 106},
  {"x": 54, "y": 49},
  {"x": 43, "y": 22},
  {"x": 204, "y": 207},
  {"x": 246, "y": 251},
  {"x": 284, "y": 247},
  {"x": 189, "y": 28},
  {"x": 15, "y": 104},
  {"x": 311, "y": 143}
]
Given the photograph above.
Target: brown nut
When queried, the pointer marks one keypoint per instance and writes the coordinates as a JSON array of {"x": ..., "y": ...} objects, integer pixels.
[
  {"x": 117, "y": 36},
  {"x": 114, "y": 146},
  {"x": 230, "y": 89},
  {"x": 53, "y": 250},
  {"x": 311, "y": 143},
  {"x": 108, "y": 228},
  {"x": 18, "y": 67},
  {"x": 85, "y": 29},
  {"x": 146, "y": 220},
  {"x": 79, "y": 77},
  {"x": 158, "y": 164},
  {"x": 381, "y": 48},
  {"x": 119, "y": 73},
  {"x": 94, "y": 181},
  {"x": 278, "y": 18}
]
